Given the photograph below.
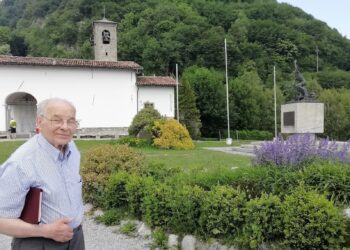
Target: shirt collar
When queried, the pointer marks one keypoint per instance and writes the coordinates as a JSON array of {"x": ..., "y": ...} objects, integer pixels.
[{"x": 56, "y": 154}]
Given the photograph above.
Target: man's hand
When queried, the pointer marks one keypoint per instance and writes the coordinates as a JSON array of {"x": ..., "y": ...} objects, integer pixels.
[{"x": 59, "y": 230}]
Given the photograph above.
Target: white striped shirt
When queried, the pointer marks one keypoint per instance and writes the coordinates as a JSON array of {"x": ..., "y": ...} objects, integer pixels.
[{"x": 39, "y": 164}]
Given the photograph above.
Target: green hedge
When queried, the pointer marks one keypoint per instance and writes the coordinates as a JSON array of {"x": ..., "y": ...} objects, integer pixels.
[
  {"x": 278, "y": 205},
  {"x": 312, "y": 222},
  {"x": 330, "y": 178},
  {"x": 222, "y": 212},
  {"x": 263, "y": 221},
  {"x": 248, "y": 134}
]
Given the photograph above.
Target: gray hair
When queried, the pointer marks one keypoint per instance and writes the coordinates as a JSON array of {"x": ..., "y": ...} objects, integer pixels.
[{"x": 42, "y": 106}]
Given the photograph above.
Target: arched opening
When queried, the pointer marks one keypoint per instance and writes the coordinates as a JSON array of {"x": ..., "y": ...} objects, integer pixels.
[{"x": 22, "y": 107}]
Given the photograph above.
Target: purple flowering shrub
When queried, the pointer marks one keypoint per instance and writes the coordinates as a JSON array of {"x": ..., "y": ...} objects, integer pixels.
[{"x": 299, "y": 150}]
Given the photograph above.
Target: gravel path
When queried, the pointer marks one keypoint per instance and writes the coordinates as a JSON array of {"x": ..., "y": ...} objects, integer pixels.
[{"x": 100, "y": 237}]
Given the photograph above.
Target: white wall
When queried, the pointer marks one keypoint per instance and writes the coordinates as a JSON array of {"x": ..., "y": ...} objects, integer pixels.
[
  {"x": 162, "y": 97},
  {"x": 103, "y": 97}
]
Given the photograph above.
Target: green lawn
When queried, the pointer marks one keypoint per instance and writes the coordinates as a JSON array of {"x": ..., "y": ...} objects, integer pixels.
[
  {"x": 198, "y": 157},
  {"x": 7, "y": 147}
]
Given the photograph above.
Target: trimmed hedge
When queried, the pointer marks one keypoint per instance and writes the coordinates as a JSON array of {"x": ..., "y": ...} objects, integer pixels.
[
  {"x": 259, "y": 135},
  {"x": 276, "y": 205},
  {"x": 333, "y": 179},
  {"x": 312, "y": 222},
  {"x": 222, "y": 212},
  {"x": 185, "y": 204},
  {"x": 263, "y": 220}
]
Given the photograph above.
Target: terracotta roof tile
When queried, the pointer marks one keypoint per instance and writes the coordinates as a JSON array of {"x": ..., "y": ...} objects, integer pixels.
[
  {"x": 45, "y": 61},
  {"x": 155, "y": 81}
]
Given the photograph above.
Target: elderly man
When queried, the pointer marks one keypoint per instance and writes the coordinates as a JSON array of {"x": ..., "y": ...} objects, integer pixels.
[{"x": 50, "y": 161}]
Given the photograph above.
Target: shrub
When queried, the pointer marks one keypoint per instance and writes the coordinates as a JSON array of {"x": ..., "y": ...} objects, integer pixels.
[
  {"x": 155, "y": 206},
  {"x": 279, "y": 181},
  {"x": 170, "y": 134},
  {"x": 254, "y": 135},
  {"x": 222, "y": 212},
  {"x": 144, "y": 120},
  {"x": 312, "y": 222},
  {"x": 132, "y": 141},
  {"x": 330, "y": 178},
  {"x": 100, "y": 162},
  {"x": 254, "y": 181},
  {"x": 248, "y": 134},
  {"x": 115, "y": 192},
  {"x": 185, "y": 205},
  {"x": 299, "y": 150},
  {"x": 263, "y": 221},
  {"x": 136, "y": 189},
  {"x": 160, "y": 172}
]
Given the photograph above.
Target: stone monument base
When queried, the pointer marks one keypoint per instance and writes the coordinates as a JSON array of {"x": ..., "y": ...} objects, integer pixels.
[{"x": 302, "y": 117}]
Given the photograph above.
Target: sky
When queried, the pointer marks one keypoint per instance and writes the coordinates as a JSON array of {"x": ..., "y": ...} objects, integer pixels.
[{"x": 333, "y": 12}]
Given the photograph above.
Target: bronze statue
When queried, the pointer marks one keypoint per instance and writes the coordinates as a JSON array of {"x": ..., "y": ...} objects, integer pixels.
[{"x": 300, "y": 85}]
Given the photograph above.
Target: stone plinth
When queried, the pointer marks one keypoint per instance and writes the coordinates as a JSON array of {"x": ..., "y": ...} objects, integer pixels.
[{"x": 302, "y": 117}]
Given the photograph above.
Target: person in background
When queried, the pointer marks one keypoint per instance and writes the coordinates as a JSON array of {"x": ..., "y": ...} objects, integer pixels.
[
  {"x": 13, "y": 126},
  {"x": 49, "y": 160}
]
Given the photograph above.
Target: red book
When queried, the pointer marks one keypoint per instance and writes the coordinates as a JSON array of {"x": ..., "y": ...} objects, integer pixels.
[{"x": 31, "y": 212}]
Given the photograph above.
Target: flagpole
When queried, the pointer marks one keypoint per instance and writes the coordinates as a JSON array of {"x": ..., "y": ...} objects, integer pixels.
[
  {"x": 177, "y": 95},
  {"x": 317, "y": 58},
  {"x": 228, "y": 140},
  {"x": 275, "y": 97}
]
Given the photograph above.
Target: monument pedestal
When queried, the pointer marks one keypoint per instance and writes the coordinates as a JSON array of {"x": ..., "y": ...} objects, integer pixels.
[{"x": 302, "y": 117}]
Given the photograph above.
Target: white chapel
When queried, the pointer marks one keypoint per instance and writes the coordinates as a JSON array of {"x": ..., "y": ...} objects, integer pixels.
[{"x": 106, "y": 92}]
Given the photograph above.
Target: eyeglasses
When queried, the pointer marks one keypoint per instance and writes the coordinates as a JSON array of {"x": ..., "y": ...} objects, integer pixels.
[{"x": 71, "y": 123}]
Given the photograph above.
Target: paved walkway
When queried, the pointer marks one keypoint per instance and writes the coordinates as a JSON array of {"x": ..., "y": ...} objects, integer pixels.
[
  {"x": 230, "y": 150},
  {"x": 100, "y": 237},
  {"x": 244, "y": 149}
]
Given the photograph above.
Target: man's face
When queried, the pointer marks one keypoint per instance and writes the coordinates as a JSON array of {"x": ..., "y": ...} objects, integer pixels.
[{"x": 58, "y": 124}]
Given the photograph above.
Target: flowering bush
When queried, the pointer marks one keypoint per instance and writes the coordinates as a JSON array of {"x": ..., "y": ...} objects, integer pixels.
[
  {"x": 170, "y": 134},
  {"x": 298, "y": 150}
]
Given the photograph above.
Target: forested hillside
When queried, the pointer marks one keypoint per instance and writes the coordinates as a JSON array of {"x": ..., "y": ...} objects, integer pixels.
[{"x": 160, "y": 33}]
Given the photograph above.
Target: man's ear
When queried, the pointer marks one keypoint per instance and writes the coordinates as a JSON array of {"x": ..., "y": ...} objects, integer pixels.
[{"x": 38, "y": 122}]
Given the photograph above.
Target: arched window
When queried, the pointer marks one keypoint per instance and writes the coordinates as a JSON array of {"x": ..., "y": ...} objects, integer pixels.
[{"x": 106, "y": 37}]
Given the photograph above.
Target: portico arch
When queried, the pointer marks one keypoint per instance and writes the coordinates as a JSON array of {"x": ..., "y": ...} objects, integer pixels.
[{"x": 22, "y": 107}]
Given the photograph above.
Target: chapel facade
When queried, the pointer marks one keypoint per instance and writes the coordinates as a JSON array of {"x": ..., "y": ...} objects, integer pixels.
[{"x": 106, "y": 92}]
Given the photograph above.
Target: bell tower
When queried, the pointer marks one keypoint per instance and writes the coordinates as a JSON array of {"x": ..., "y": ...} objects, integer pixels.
[{"x": 105, "y": 40}]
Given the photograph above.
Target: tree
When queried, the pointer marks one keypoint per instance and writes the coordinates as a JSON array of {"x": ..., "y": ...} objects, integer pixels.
[
  {"x": 4, "y": 49},
  {"x": 189, "y": 114},
  {"x": 210, "y": 98},
  {"x": 18, "y": 46},
  {"x": 4, "y": 34},
  {"x": 251, "y": 105},
  {"x": 334, "y": 79},
  {"x": 144, "y": 120},
  {"x": 337, "y": 113}
]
